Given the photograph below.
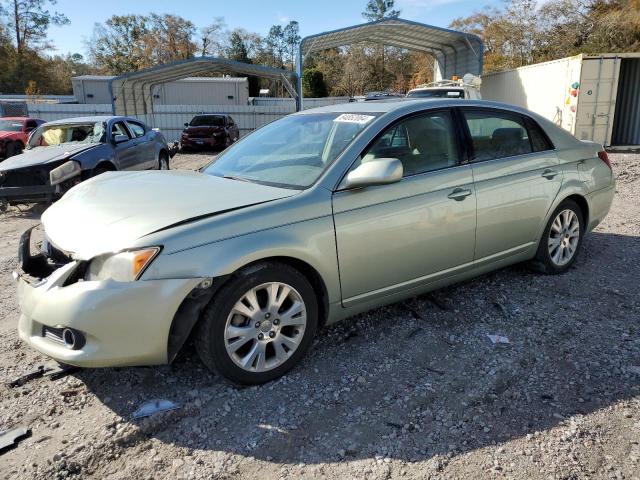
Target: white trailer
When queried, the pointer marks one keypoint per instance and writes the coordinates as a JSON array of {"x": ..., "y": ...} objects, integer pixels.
[{"x": 594, "y": 97}]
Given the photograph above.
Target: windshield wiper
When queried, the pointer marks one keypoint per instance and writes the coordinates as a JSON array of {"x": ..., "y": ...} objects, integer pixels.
[{"x": 240, "y": 179}]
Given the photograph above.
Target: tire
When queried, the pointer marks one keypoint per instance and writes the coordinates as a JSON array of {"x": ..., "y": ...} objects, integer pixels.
[
  {"x": 14, "y": 148},
  {"x": 101, "y": 169},
  {"x": 559, "y": 256},
  {"x": 163, "y": 161},
  {"x": 225, "y": 338}
]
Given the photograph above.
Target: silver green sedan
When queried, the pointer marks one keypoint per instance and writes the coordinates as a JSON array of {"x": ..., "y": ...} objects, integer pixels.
[{"x": 311, "y": 219}]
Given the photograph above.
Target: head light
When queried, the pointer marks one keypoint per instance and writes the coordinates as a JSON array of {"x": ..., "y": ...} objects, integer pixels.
[
  {"x": 64, "y": 172},
  {"x": 121, "y": 267}
]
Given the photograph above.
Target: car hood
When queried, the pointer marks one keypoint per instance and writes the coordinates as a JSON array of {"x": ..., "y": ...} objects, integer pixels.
[
  {"x": 42, "y": 155},
  {"x": 111, "y": 211},
  {"x": 8, "y": 134}
]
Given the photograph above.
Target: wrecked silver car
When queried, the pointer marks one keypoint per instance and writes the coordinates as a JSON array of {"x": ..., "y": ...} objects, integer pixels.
[{"x": 63, "y": 153}]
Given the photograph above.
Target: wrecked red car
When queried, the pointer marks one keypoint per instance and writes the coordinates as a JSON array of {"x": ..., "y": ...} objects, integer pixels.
[{"x": 14, "y": 133}]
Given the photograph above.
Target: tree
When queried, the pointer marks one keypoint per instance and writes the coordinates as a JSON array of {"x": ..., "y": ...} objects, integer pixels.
[
  {"x": 118, "y": 45},
  {"x": 313, "y": 85},
  {"x": 374, "y": 11},
  {"x": 169, "y": 38},
  {"x": 29, "y": 20},
  {"x": 212, "y": 38},
  {"x": 237, "y": 50},
  {"x": 275, "y": 45},
  {"x": 380, "y": 9},
  {"x": 132, "y": 42},
  {"x": 291, "y": 34}
]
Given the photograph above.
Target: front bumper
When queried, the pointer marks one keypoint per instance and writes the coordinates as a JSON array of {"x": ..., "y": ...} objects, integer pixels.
[
  {"x": 122, "y": 324},
  {"x": 202, "y": 142},
  {"x": 34, "y": 194}
]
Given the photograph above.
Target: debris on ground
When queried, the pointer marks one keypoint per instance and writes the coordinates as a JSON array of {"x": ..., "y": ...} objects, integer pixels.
[
  {"x": 498, "y": 339},
  {"x": 154, "y": 406},
  {"x": 10, "y": 438}
]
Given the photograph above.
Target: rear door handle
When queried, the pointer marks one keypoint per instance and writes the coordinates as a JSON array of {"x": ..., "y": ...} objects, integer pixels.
[
  {"x": 549, "y": 174},
  {"x": 459, "y": 194}
]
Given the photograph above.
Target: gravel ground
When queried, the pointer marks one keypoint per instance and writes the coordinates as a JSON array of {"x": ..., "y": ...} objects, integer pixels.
[{"x": 413, "y": 390}]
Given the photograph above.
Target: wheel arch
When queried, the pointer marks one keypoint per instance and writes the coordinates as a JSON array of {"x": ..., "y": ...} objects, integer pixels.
[
  {"x": 583, "y": 204},
  {"x": 189, "y": 314},
  {"x": 107, "y": 164}
]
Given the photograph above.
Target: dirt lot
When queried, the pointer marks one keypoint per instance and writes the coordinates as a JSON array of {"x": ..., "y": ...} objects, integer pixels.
[{"x": 414, "y": 390}]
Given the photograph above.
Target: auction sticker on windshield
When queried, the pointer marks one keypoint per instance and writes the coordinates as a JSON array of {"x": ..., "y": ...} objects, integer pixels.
[{"x": 354, "y": 118}]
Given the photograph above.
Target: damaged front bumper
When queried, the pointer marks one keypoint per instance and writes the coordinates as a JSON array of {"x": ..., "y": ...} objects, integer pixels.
[
  {"x": 32, "y": 185},
  {"x": 116, "y": 323}
]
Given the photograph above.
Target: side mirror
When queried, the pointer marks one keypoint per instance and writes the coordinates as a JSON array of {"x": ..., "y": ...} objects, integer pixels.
[
  {"x": 120, "y": 138},
  {"x": 380, "y": 171},
  {"x": 186, "y": 125}
]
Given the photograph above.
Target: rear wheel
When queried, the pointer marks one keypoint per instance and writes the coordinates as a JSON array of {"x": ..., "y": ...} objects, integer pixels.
[
  {"x": 259, "y": 325},
  {"x": 561, "y": 240}
]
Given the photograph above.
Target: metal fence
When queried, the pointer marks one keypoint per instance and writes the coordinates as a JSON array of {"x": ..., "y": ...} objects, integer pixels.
[{"x": 170, "y": 119}]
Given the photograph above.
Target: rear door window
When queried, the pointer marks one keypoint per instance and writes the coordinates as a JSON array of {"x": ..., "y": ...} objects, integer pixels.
[
  {"x": 496, "y": 134},
  {"x": 539, "y": 140},
  {"x": 136, "y": 128}
]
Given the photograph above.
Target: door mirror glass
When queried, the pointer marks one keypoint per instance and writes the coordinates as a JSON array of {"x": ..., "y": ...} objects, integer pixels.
[
  {"x": 119, "y": 138},
  {"x": 186, "y": 124},
  {"x": 380, "y": 171}
]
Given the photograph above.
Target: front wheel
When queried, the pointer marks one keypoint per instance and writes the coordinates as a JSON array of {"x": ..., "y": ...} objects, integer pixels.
[
  {"x": 561, "y": 240},
  {"x": 259, "y": 325},
  {"x": 163, "y": 161},
  {"x": 14, "y": 148}
]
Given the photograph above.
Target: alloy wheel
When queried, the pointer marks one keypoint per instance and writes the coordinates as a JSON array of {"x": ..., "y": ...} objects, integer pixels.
[
  {"x": 564, "y": 236},
  {"x": 265, "y": 327}
]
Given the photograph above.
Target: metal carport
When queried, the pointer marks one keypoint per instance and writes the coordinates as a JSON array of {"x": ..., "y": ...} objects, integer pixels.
[
  {"x": 131, "y": 93},
  {"x": 456, "y": 53}
]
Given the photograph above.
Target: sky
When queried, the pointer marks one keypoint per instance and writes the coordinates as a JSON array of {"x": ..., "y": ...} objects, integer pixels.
[{"x": 314, "y": 16}]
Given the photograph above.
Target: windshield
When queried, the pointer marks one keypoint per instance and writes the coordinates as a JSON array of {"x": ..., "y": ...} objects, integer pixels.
[
  {"x": 437, "y": 93},
  {"x": 59, "y": 134},
  {"x": 291, "y": 152},
  {"x": 207, "y": 122},
  {"x": 10, "y": 126}
]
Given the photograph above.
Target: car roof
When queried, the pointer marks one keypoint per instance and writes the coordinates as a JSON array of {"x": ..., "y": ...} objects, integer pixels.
[
  {"x": 96, "y": 118},
  {"x": 411, "y": 104}
]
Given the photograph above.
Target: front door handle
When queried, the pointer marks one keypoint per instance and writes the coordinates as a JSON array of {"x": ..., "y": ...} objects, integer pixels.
[
  {"x": 459, "y": 194},
  {"x": 549, "y": 174}
]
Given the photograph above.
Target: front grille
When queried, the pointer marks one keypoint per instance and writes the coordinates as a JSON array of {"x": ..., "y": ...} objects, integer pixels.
[
  {"x": 200, "y": 135},
  {"x": 26, "y": 177},
  {"x": 53, "y": 334}
]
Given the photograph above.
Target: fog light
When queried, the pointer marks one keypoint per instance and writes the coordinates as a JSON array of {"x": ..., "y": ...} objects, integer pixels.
[{"x": 72, "y": 339}]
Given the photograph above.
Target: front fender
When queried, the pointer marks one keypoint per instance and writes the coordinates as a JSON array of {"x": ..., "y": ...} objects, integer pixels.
[
  {"x": 310, "y": 241},
  {"x": 89, "y": 159}
]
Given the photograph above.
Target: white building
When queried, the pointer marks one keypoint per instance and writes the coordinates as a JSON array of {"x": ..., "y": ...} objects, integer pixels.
[{"x": 94, "y": 89}]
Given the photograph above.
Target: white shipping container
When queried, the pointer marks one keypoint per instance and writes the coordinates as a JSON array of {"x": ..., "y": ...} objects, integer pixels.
[
  {"x": 94, "y": 89},
  {"x": 594, "y": 97}
]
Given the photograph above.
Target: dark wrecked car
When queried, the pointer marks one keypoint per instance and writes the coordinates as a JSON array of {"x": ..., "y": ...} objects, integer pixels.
[
  {"x": 209, "y": 131},
  {"x": 63, "y": 153}
]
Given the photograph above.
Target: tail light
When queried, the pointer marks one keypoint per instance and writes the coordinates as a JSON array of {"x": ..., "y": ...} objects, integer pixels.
[{"x": 605, "y": 158}]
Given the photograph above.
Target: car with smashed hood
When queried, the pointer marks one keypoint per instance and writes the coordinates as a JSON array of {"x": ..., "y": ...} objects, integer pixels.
[
  {"x": 313, "y": 218},
  {"x": 63, "y": 153}
]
